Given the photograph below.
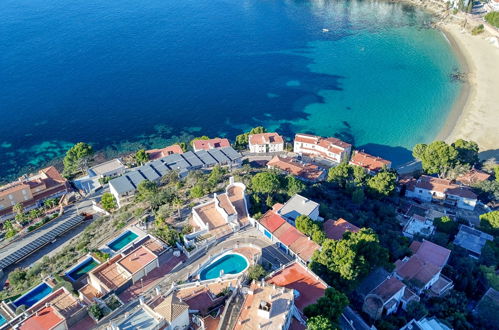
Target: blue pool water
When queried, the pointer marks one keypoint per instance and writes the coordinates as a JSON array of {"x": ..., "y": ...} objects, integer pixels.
[
  {"x": 128, "y": 74},
  {"x": 34, "y": 296},
  {"x": 230, "y": 264},
  {"x": 82, "y": 269},
  {"x": 2, "y": 319},
  {"x": 123, "y": 240}
]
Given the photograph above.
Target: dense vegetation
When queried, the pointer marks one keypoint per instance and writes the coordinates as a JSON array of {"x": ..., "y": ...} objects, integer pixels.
[{"x": 493, "y": 18}]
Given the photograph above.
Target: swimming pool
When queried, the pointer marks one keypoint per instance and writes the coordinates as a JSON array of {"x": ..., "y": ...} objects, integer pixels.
[
  {"x": 82, "y": 268},
  {"x": 2, "y": 320},
  {"x": 123, "y": 240},
  {"x": 231, "y": 263},
  {"x": 34, "y": 295}
]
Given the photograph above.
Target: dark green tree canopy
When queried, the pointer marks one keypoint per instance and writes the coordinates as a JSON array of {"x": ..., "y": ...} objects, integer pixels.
[
  {"x": 489, "y": 222},
  {"x": 467, "y": 151},
  {"x": 436, "y": 157},
  {"x": 77, "y": 157},
  {"x": 330, "y": 306},
  {"x": 382, "y": 184},
  {"x": 141, "y": 157},
  {"x": 265, "y": 182}
]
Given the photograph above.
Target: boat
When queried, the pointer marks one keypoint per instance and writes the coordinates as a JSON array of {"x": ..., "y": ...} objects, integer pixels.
[{"x": 325, "y": 30}]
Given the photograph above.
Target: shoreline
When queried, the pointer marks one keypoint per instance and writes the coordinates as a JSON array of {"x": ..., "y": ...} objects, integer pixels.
[
  {"x": 475, "y": 113},
  {"x": 465, "y": 93}
]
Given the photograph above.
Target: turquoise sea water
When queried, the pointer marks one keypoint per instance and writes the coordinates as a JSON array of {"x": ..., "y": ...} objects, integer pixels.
[
  {"x": 122, "y": 241},
  {"x": 230, "y": 264},
  {"x": 126, "y": 74}
]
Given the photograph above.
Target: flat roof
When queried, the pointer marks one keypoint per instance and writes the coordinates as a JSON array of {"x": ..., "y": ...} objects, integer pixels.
[
  {"x": 472, "y": 239},
  {"x": 298, "y": 205},
  {"x": 137, "y": 259},
  {"x": 109, "y": 166}
]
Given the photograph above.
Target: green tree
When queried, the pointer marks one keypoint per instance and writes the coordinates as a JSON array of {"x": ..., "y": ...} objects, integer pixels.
[
  {"x": 294, "y": 186},
  {"x": 382, "y": 184},
  {"x": 331, "y": 305},
  {"x": 304, "y": 224},
  {"x": 242, "y": 139},
  {"x": 354, "y": 256},
  {"x": 340, "y": 174},
  {"x": 493, "y": 18},
  {"x": 467, "y": 151},
  {"x": 10, "y": 230},
  {"x": 141, "y": 157},
  {"x": 146, "y": 190},
  {"x": 265, "y": 182},
  {"x": 416, "y": 310},
  {"x": 18, "y": 208},
  {"x": 358, "y": 196},
  {"x": 108, "y": 202},
  {"x": 76, "y": 158},
  {"x": 496, "y": 172},
  {"x": 490, "y": 222},
  {"x": 445, "y": 225},
  {"x": 256, "y": 272},
  {"x": 319, "y": 322},
  {"x": 197, "y": 191},
  {"x": 436, "y": 157}
]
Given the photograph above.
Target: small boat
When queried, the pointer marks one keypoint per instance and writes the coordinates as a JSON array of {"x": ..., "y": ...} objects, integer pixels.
[{"x": 325, "y": 30}]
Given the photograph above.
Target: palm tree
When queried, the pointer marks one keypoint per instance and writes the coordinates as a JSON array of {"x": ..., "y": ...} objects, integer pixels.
[{"x": 18, "y": 208}]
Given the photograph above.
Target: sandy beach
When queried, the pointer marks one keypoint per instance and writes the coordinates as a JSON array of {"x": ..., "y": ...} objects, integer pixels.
[
  {"x": 475, "y": 114},
  {"x": 479, "y": 118}
]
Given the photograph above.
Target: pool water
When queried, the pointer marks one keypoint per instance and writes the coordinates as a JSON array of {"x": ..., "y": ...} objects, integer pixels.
[
  {"x": 122, "y": 241},
  {"x": 230, "y": 264},
  {"x": 2, "y": 320},
  {"x": 34, "y": 296},
  {"x": 82, "y": 269}
]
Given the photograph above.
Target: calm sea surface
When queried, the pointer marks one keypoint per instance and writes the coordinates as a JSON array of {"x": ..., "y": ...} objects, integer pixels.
[{"x": 124, "y": 74}]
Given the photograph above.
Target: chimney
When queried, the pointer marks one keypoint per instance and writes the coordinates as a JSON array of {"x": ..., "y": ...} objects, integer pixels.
[
  {"x": 157, "y": 291},
  {"x": 231, "y": 180}
]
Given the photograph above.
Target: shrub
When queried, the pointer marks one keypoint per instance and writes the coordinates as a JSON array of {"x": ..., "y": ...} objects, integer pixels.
[
  {"x": 256, "y": 272},
  {"x": 96, "y": 311},
  {"x": 477, "y": 29},
  {"x": 493, "y": 18},
  {"x": 21, "y": 309}
]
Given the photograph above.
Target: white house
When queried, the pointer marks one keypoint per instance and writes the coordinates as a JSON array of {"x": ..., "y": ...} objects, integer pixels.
[
  {"x": 428, "y": 189},
  {"x": 299, "y": 205},
  {"x": 265, "y": 142},
  {"x": 331, "y": 149}
]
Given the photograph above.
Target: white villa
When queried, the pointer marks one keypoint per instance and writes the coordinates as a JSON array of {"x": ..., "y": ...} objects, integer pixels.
[
  {"x": 265, "y": 142},
  {"x": 331, "y": 149}
]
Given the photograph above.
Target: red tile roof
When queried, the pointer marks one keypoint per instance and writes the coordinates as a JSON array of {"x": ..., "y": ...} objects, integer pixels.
[
  {"x": 161, "y": 153},
  {"x": 211, "y": 144},
  {"x": 432, "y": 253},
  {"x": 473, "y": 176},
  {"x": 45, "y": 319},
  {"x": 388, "y": 288},
  {"x": 369, "y": 162},
  {"x": 298, "y": 277},
  {"x": 306, "y": 171},
  {"x": 287, "y": 234},
  {"x": 441, "y": 185},
  {"x": 336, "y": 229},
  {"x": 271, "y": 221},
  {"x": 265, "y": 138},
  {"x": 318, "y": 140}
]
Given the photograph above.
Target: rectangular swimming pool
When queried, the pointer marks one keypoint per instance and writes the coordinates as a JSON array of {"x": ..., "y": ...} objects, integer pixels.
[
  {"x": 82, "y": 269},
  {"x": 123, "y": 240},
  {"x": 34, "y": 295},
  {"x": 2, "y": 320}
]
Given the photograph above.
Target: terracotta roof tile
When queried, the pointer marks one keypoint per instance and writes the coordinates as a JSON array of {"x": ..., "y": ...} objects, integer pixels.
[
  {"x": 271, "y": 221},
  {"x": 210, "y": 144},
  {"x": 369, "y": 162},
  {"x": 265, "y": 138},
  {"x": 46, "y": 318},
  {"x": 336, "y": 229}
]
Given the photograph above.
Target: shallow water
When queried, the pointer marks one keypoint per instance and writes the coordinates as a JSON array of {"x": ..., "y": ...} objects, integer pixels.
[{"x": 126, "y": 74}]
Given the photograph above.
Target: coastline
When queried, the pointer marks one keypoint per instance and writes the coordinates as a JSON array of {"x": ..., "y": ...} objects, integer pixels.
[{"x": 475, "y": 113}]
